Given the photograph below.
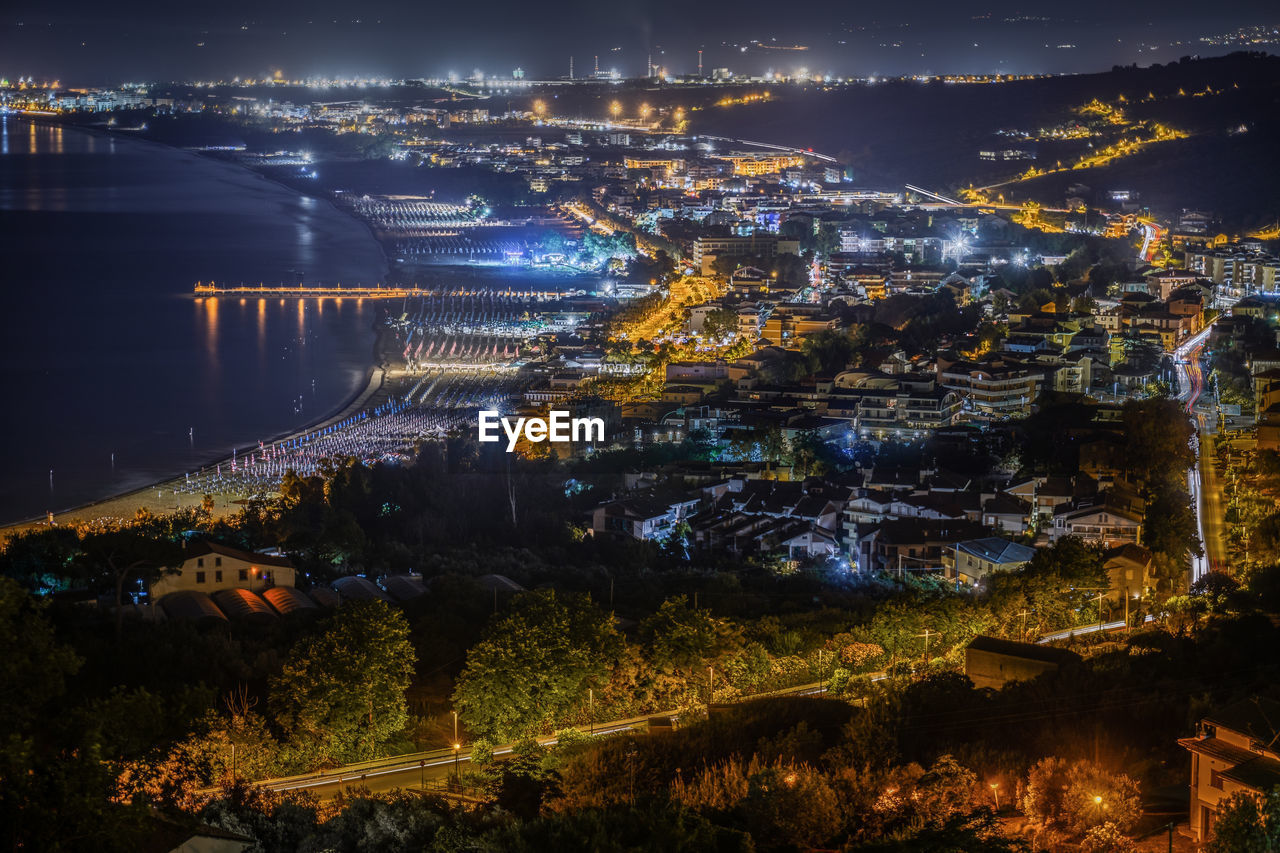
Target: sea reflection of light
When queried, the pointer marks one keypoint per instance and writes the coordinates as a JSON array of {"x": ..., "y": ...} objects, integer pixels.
[
  {"x": 262, "y": 326},
  {"x": 210, "y": 327},
  {"x": 302, "y": 320}
]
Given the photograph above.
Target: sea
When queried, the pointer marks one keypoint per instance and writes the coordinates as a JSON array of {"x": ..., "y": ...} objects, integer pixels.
[{"x": 112, "y": 375}]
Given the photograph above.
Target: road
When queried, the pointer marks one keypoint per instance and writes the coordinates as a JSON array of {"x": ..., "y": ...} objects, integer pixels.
[
  {"x": 1202, "y": 481},
  {"x": 1152, "y": 235},
  {"x": 419, "y": 770}
]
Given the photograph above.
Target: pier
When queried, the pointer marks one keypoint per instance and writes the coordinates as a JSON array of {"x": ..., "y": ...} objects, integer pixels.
[
  {"x": 208, "y": 290},
  {"x": 203, "y": 289}
]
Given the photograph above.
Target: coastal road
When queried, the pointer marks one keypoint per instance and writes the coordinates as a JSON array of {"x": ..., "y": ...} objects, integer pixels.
[{"x": 428, "y": 769}]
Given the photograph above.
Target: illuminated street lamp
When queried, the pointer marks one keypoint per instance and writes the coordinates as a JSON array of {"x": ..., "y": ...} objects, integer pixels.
[
  {"x": 457, "y": 777},
  {"x": 995, "y": 792},
  {"x": 615, "y": 109},
  {"x": 645, "y": 109},
  {"x": 539, "y": 108}
]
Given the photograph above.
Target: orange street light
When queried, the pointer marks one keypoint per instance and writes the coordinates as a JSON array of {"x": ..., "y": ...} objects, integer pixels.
[{"x": 615, "y": 108}]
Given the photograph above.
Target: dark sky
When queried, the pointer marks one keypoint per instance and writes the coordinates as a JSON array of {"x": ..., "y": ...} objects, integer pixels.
[{"x": 86, "y": 42}]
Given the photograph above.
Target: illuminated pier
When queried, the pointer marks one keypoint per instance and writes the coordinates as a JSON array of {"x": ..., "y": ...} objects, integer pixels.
[{"x": 203, "y": 290}]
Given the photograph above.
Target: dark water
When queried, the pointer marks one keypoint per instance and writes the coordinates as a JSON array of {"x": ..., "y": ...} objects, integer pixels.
[{"x": 103, "y": 349}]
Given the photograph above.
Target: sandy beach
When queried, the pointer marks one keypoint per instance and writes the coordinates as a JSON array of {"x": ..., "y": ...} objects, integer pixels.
[{"x": 168, "y": 496}]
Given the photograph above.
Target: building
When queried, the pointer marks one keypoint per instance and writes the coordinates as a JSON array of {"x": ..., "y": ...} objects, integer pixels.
[
  {"x": 208, "y": 567},
  {"x": 753, "y": 165},
  {"x": 1129, "y": 568},
  {"x": 644, "y": 518},
  {"x": 707, "y": 249},
  {"x": 991, "y": 662},
  {"x": 1110, "y": 520},
  {"x": 1235, "y": 750},
  {"x": 974, "y": 559},
  {"x": 993, "y": 389}
]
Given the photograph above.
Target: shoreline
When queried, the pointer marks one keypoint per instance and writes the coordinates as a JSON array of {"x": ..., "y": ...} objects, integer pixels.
[{"x": 125, "y": 504}]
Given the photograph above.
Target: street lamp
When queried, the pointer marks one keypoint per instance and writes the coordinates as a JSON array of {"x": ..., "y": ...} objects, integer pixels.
[
  {"x": 615, "y": 109},
  {"x": 539, "y": 108},
  {"x": 457, "y": 747},
  {"x": 995, "y": 792}
]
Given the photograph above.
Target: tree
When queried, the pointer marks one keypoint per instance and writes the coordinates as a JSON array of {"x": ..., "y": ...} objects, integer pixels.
[
  {"x": 681, "y": 642},
  {"x": 811, "y": 455},
  {"x": 945, "y": 790},
  {"x": 1106, "y": 838},
  {"x": 1080, "y": 797},
  {"x": 790, "y": 805},
  {"x": 829, "y": 351},
  {"x": 1095, "y": 797},
  {"x": 1216, "y": 588},
  {"x": 341, "y": 695},
  {"x": 34, "y": 666},
  {"x": 1157, "y": 438},
  {"x": 43, "y": 560},
  {"x": 827, "y": 240},
  {"x": 55, "y": 787},
  {"x": 720, "y": 323},
  {"x": 116, "y": 554},
  {"x": 535, "y": 665},
  {"x": 1247, "y": 824}
]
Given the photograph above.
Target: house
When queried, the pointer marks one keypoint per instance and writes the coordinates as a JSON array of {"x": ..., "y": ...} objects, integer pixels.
[
  {"x": 1235, "y": 750},
  {"x": 1007, "y": 513},
  {"x": 644, "y": 518},
  {"x": 1046, "y": 494},
  {"x": 973, "y": 559},
  {"x": 209, "y": 567},
  {"x": 911, "y": 544},
  {"x": 992, "y": 662},
  {"x": 1109, "y": 520},
  {"x": 1129, "y": 568}
]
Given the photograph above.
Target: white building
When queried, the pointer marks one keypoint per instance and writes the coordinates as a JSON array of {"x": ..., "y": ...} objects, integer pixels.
[{"x": 208, "y": 567}]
